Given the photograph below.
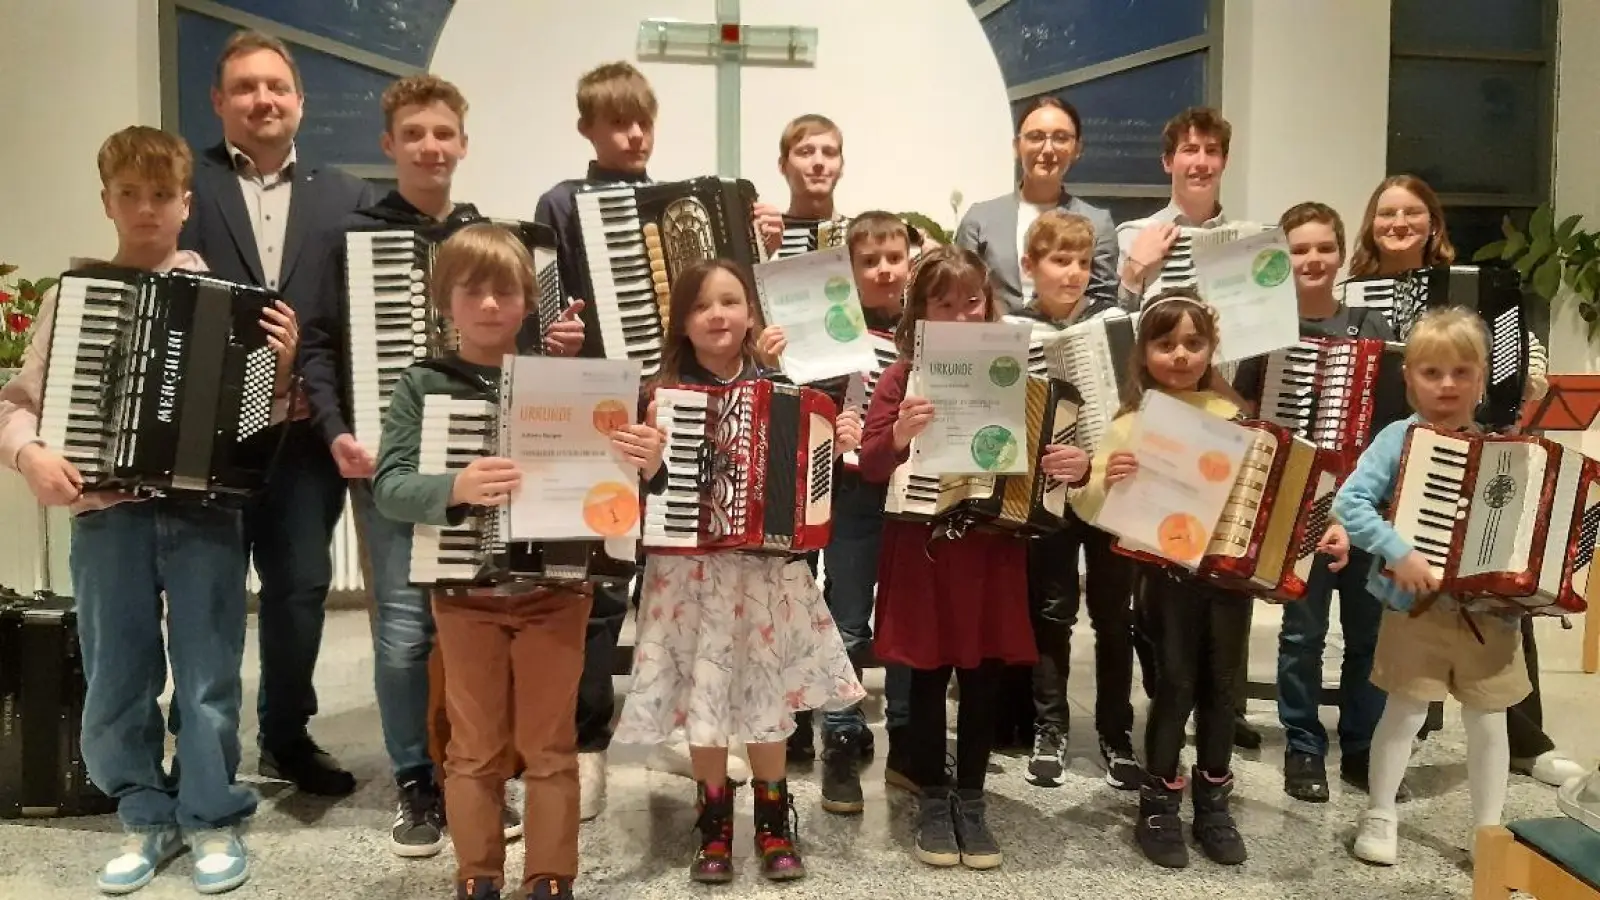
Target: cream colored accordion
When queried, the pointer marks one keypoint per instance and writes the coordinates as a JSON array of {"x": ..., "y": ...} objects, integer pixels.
[{"x": 1093, "y": 357}]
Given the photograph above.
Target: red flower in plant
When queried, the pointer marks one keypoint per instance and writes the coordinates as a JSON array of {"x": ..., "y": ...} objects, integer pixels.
[
  {"x": 5, "y": 299},
  {"x": 18, "y": 323}
]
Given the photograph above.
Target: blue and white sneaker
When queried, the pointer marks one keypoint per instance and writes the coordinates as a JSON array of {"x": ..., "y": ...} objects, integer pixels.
[
  {"x": 220, "y": 863},
  {"x": 141, "y": 855}
]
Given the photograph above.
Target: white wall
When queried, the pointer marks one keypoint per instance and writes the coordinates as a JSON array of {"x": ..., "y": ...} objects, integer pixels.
[
  {"x": 1306, "y": 88},
  {"x": 912, "y": 83},
  {"x": 72, "y": 72}
]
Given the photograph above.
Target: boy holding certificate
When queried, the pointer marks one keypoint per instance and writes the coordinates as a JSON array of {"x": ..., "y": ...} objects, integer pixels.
[
  {"x": 484, "y": 280},
  {"x": 1058, "y": 256}
]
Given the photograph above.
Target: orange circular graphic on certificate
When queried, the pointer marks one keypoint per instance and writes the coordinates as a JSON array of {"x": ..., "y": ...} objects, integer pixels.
[
  {"x": 1181, "y": 537},
  {"x": 610, "y": 509},
  {"x": 609, "y": 416},
  {"x": 1214, "y": 466}
]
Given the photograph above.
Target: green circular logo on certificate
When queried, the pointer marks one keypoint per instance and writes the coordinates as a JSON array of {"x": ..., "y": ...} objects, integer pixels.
[
  {"x": 1005, "y": 371},
  {"x": 1270, "y": 268},
  {"x": 843, "y": 323},
  {"x": 994, "y": 447},
  {"x": 837, "y": 289}
]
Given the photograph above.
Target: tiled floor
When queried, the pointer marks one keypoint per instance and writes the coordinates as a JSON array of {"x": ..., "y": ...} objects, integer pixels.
[{"x": 1074, "y": 841}]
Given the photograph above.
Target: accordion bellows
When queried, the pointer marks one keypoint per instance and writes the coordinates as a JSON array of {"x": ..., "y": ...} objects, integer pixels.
[
  {"x": 1505, "y": 522},
  {"x": 749, "y": 467}
]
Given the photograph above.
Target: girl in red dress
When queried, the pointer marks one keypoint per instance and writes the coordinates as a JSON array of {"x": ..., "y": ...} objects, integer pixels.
[{"x": 948, "y": 604}]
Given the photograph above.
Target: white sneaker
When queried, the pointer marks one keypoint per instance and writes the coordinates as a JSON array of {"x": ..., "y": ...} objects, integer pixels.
[
  {"x": 1580, "y": 799},
  {"x": 1554, "y": 768},
  {"x": 1377, "y": 838},
  {"x": 591, "y": 785},
  {"x": 672, "y": 758}
]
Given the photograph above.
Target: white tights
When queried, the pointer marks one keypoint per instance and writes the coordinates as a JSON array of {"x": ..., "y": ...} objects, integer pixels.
[{"x": 1488, "y": 756}]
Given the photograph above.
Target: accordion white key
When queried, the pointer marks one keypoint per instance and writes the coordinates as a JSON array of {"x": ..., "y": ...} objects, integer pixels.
[
  {"x": 1093, "y": 357},
  {"x": 1505, "y": 522},
  {"x": 1178, "y": 268},
  {"x": 1337, "y": 393}
]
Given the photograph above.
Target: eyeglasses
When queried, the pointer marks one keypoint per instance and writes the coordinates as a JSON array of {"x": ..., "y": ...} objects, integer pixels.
[
  {"x": 1414, "y": 213},
  {"x": 1059, "y": 138}
]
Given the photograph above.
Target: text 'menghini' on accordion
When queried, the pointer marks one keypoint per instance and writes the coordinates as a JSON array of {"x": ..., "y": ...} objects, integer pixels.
[
  {"x": 393, "y": 321},
  {"x": 749, "y": 468},
  {"x": 1277, "y": 511},
  {"x": 1494, "y": 293},
  {"x": 638, "y": 237},
  {"x": 1337, "y": 393},
  {"x": 42, "y": 773},
  {"x": 477, "y": 553},
  {"x": 1093, "y": 358},
  {"x": 161, "y": 383},
  {"x": 1028, "y": 504},
  {"x": 1505, "y": 522}
]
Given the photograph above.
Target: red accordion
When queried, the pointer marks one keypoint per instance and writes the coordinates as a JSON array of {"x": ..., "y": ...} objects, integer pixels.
[
  {"x": 1336, "y": 393},
  {"x": 1506, "y": 522},
  {"x": 1266, "y": 539},
  {"x": 749, "y": 467}
]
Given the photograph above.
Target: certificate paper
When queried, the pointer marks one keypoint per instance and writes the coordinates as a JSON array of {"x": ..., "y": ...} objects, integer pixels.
[
  {"x": 557, "y": 423},
  {"x": 1188, "y": 462},
  {"x": 1251, "y": 284},
  {"x": 813, "y": 298},
  {"x": 975, "y": 375}
]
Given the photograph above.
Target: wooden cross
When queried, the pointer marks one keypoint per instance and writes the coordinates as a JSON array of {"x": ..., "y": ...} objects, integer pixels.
[{"x": 729, "y": 45}]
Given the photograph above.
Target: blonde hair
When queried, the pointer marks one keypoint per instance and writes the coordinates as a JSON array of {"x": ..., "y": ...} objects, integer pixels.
[
  {"x": 938, "y": 271},
  {"x": 615, "y": 90},
  {"x": 478, "y": 253},
  {"x": 422, "y": 90},
  {"x": 1056, "y": 231},
  {"x": 146, "y": 153},
  {"x": 1448, "y": 334},
  {"x": 805, "y": 126},
  {"x": 249, "y": 40}
]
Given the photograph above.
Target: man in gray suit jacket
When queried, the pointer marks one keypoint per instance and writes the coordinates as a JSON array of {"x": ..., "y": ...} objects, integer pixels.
[{"x": 1049, "y": 139}]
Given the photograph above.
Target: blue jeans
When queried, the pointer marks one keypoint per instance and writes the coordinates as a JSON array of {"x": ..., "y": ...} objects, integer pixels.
[
  {"x": 402, "y": 636},
  {"x": 122, "y": 559},
  {"x": 1300, "y": 645},
  {"x": 289, "y": 528},
  {"x": 851, "y": 561}
]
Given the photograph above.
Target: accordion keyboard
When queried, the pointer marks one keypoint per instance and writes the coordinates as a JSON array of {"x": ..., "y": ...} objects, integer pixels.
[
  {"x": 454, "y": 433},
  {"x": 88, "y": 322},
  {"x": 1288, "y": 397},
  {"x": 673, "y": 518},
  {"x": 389, "y": 320},
  {"x": 1372, "y": 293},
  {"x": 620, "y": 275},
  {"x": 1426, "y": 509}
]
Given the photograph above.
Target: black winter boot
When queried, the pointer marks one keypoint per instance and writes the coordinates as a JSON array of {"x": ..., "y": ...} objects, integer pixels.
[
  {"x": 1213, "y": 825},
  {"x": 1160, "y": 830}
]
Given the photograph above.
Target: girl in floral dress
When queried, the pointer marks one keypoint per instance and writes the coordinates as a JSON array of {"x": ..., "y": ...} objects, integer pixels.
[{"x": 731, "y": 645}]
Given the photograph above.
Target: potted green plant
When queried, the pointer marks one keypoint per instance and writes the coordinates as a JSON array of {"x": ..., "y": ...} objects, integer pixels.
[
  {"x": 1556, "y": 261},
  {"x": 19, "y": 306}
]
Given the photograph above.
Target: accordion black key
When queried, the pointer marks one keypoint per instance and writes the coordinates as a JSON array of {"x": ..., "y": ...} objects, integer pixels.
[
  {"x": 638, "y": 237},
  {"x": 393, "y": 321},
  {"x": 161, "y": 383},
  {"x": 41, "y": 711},
  {"x": 1337, "y": 393}
]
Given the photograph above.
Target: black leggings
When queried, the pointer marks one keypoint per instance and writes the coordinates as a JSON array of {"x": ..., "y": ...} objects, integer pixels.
[
  {"x": 1054, "y": 598},
  {"x": 1198, "y": 632},
  {"x": 974, "y": 724}
]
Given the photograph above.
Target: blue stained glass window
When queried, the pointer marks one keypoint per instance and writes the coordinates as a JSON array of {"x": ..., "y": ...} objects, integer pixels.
[
  {"x": 1123, "y": 115},
  {"x": 1472, "y": 25},
  {"x": 342, "y": 118},
  {"x": 402, "y": 30},
  {"x": 1465, "y": 126},
  {"x": 1033, "y": 39}
]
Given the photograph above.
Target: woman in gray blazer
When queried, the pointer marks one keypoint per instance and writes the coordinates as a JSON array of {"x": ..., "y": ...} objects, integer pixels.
[{"x": 1049, "y": 139}]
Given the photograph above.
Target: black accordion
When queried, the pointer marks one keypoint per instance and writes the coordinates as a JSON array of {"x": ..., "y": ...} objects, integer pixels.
[
  {"x": 161, "y": 383},
  {"x": 42, "y": 773},
  {"x": 637, "y": 238},
  {"x": 477, "y": 554},
  {"x": 393, "y": 321},
  {"x": 1494, "y": 293}
]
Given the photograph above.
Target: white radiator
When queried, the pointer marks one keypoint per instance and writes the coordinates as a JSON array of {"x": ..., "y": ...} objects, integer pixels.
[{"x": 33, "y": 552}]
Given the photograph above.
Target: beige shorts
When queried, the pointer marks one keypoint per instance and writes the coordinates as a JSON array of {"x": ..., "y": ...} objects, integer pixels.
[{"x": 1435, "y": 654}]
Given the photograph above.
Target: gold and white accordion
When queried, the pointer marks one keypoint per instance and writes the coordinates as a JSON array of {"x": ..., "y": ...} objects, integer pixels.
[
  {"x": 637, "y": 238},
  {"x": 477, "y": 553},
  {"x": 1338, "y": 393},
  {"x": 1093, "y": 357},
  {"x": 1277, "y": 511},
  {"x": 749, "y": 468},
  {"x": 810, "y": 236},
  {"x": 392, "y": 320},
  {"x": 1505, "y": 522},
  {"x": 1028, "y": 504},
  {"x": 161, "y": 383}
]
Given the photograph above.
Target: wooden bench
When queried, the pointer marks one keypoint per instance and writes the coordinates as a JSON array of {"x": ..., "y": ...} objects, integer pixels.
[{"x": 1551, "y": 859}]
